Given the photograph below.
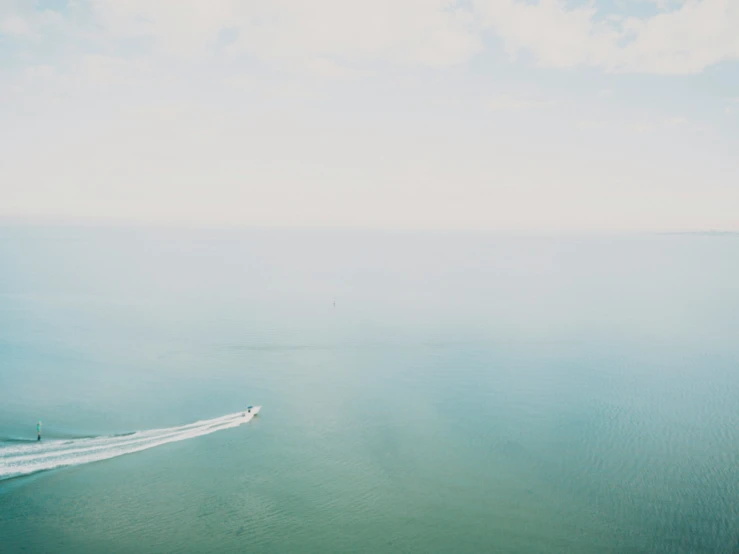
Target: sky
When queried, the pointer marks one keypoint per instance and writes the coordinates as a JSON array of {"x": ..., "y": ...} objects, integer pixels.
[{"x": 522, "y": 115}]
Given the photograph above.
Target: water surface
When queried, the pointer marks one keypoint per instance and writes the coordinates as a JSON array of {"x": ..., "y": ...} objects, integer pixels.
[{"x": 466, "y": 393}]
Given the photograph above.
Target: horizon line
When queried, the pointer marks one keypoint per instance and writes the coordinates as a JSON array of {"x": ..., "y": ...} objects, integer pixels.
[{"x": 64, "y": 221}]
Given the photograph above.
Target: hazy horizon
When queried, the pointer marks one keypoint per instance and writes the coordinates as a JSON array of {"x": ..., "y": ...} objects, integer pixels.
[{"x": 52, "y": 222}]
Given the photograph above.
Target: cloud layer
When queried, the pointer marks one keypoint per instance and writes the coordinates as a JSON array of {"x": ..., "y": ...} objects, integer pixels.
[
  {"x": 694, "y": 35},
  {"x": 505, "y": 114},
  {"x": 680, "y": 38}
]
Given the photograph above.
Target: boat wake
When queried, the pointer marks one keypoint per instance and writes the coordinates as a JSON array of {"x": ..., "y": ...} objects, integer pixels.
[{"x": 18, "y": 459}]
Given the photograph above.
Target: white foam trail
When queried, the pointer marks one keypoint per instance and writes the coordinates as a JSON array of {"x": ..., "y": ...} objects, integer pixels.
[{"x": 23, "y": 459}]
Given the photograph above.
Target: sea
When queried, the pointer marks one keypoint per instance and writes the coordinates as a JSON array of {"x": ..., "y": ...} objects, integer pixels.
[{"x": 425, "y": 392}]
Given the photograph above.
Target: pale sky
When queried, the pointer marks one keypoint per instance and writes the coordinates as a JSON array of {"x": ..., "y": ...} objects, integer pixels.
[{"x": 548, "y": 115}]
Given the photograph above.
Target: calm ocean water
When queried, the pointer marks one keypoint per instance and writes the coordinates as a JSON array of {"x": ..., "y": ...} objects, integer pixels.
[{"x": 466, "y": 393}]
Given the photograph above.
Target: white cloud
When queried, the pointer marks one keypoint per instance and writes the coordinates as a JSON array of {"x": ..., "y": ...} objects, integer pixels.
[
  {"x": 683, "y": 37},
  {"x": 642, "y": 128},
  {"x": 592, "y": 124},
  {"x": 20, "y": 20},
  {"x": 235, "y": 116},
  {"x": 36, "y": 72},
  {"x": 88, "y": 78},
  {"x": 675, "y": 122},
  {"x": 13, "y": 25},
  {"x": 660, "y": 4},
  {"x": 638, "y": 127},
  {"x": 685, "y": 40},
  {"x": 36, "y": 80},
  {"x": 110, "y": 71},
  {"x": 325, "y": 67},
  {"x": 554, "y": 34},
  {"x": 272, "y": 89},
  {"x": 428, "y": 32},
  {"x": 511, "y": 103}
]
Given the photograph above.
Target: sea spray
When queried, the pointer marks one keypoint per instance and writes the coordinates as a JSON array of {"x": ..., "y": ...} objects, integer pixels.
[{"x": 17, "y": 460}]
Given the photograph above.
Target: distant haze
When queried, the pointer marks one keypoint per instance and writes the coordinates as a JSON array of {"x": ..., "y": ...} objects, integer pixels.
[{"x": 543, "y": 115}]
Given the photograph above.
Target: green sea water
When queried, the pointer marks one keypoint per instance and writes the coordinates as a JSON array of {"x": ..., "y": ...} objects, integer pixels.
[{"x": 421, "y": 392}]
